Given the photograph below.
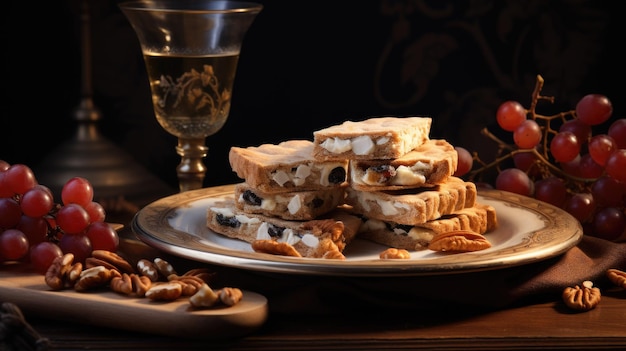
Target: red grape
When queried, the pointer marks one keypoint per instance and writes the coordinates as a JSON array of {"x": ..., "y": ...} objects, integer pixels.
[
  {"x": 465, "y": 161},
  {"x": 609, "y": 223},
  {"x": 510, "y": 115},
  {"x": 581, "y": 206},
  {"x": 600, "y": 147},
  {"x": 20, "y": 178},
  {"x": 616, "y": 165},
  {"x": 572, "y": 167},
  {"x": 551, "y": 190},
  {"x": 72, "y": 218},
  {"x": 588, "y": 168},
  {"x": 526, "y": 161},
  {"x": 515, "y": 181},
  {"x": 564, "y": 147},
  {"x": 594, "y": 109},
  {"x": 10, "y": 212},
  {"x": 102, "y": 236},
  {"x": 5, "y": 191},
  {"x": 96, "y": 212},
  {"x": 607, "y": 191},
  {"x": 617, "y": 131},
  {"x": 527, "y": 135},
  {"x": 35, "y": 228},
  {"x": 37, "y": 202},
  {"x": 76, "y": 244},
  {"x": 77, "y": 190},
  {"x": 581, "y": 130},
  {"x": 42, "y": 255},
  {"x": 13, "y": 244}
]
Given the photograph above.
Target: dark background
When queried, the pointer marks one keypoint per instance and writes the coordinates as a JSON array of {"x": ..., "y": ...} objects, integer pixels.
[{"x": 307, "y": 65}]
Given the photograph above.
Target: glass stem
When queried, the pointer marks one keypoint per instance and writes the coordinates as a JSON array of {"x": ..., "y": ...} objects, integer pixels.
[{"x": 191, "y": 170}]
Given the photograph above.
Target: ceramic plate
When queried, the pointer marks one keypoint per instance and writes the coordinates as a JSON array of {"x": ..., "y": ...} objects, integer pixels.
[{"x": 528, "y": 231}]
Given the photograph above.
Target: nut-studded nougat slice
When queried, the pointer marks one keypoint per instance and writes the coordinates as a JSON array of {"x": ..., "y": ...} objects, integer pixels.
[
  {"x": 413, "y": 206},
  {"x": 429, "y": 164},
  {"x": 318, "y": 238},
  {"x": 292, "y": 205},
  {"x": 374, "y": 138},
  {"x": 287, "y": 166},
  {"x": 480, "y": 218}
]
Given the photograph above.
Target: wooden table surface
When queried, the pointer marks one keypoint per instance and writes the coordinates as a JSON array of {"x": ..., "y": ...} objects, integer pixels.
[
  {"x": 531, "y": 326},
  {"x": 542, "y": 325}
]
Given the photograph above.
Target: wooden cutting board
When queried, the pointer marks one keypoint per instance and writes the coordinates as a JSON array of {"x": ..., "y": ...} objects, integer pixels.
[{"x": 109, "y": 309}]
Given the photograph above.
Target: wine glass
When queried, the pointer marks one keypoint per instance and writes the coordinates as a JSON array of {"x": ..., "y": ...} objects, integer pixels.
[{"x": 191, "y": 50}]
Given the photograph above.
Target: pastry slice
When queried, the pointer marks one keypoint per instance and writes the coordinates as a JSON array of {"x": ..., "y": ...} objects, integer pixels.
[
  {"x": 319, "y": 238},
  {"x": 287, "y": 166},
  {"x": 374, "y": 138},
  {"x": 429, "y": 164},
  {"x": 293, "y": 205},
  {"x": 413, "y": 206},
  {"x": 479, "y": 218}
]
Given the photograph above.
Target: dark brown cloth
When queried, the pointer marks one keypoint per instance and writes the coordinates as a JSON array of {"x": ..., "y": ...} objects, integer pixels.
[{"x": 491, "y": 289}]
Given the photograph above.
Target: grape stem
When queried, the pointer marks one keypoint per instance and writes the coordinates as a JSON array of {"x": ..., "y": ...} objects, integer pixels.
[
  {"x": 547, "y": 127},
  {"x": 543, "y": 162}
]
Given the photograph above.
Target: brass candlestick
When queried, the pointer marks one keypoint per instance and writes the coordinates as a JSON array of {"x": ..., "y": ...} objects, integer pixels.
[{"x": 113, "y": 173}]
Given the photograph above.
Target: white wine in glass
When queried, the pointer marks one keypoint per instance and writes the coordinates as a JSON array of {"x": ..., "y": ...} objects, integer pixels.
[
  {"x": 191, "y": 95},
  {"x": 191, "y": 50}
]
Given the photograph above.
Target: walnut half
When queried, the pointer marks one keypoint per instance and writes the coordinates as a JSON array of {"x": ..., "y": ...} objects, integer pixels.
[
  {"x": 583, "y": 298},
  {"x": 394, "y": 253},
  {"x": 459, "y": 241},
  {"x": 275, "y": 248},
  {"x": 617, "y": 277},
  {"x": 63, "y": 272},
  {"x": 131, "y": 284}
]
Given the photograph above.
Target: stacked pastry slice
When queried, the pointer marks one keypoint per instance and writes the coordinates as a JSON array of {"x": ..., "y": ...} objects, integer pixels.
[
  {"x": 288, "y": 202},
  {"x": 401, "y": 181},
  {"x": 382, "y": 178}
]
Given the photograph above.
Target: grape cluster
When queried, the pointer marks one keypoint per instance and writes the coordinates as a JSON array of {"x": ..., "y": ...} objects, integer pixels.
[
  {"x": 557, "y": 159},
  {"x": 36, "y": 229}
]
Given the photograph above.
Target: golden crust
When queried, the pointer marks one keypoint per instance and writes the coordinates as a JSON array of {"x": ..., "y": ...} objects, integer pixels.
[
  {"x": 259, "y": 165},
  {"x": 413, "y": 206},
  {"x": 480, "y": 218},
  {"x": 312, "y": 238},
  {"x": 392, "y": 137}
]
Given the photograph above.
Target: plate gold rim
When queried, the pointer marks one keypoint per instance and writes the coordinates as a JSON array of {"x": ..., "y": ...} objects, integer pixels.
[{"x": 559, "y": 233}]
